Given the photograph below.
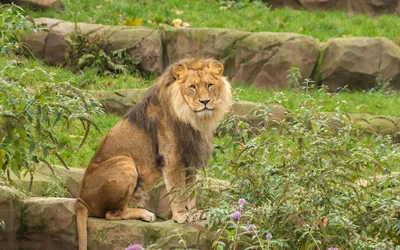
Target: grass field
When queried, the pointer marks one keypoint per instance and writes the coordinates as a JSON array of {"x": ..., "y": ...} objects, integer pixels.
[
  {"x": 207, "y": 13},
  {"x": 356, "y": 102}
]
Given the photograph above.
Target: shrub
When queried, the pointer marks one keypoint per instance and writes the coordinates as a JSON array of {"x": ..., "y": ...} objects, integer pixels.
[
  {"x": 92, "y": 53},
  {"x": 29, "y": 119},
  {"x": 13, "y": 25},
  {"x": 314, "y": 181}
]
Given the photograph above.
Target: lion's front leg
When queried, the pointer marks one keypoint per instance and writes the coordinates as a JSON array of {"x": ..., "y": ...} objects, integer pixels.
[
  {"x": 191, "y": 196},
  {"x": 174, "y": 177}
]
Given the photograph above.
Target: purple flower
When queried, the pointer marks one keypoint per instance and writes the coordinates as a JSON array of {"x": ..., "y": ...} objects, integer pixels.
[
  {"x": 236, "y": 216},
  {"x": 268, "y": 236},
  {"x": 241, "y": 202},
  {"x": 251, "y": 227},
  {"x": 333, "y": 248},
  {"x": 134, "y": 247}
]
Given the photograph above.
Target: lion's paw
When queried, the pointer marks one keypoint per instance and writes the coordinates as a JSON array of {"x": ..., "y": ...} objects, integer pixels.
[
  {"x": 148, "y": 216},
  {"x": 197, "y": 216},
  {"x": 180, "y": 217}
]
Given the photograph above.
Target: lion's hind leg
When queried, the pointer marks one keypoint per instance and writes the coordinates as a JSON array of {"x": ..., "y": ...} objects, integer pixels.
[{"x": 131, "y": 214}]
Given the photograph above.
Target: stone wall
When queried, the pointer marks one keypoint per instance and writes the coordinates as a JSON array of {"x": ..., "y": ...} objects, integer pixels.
[{"x": 259, "y": 59}]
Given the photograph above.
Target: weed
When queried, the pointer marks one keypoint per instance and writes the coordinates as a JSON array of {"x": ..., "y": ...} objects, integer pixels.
[
  {"x": 92, "y": 54},
  {"x": 55, "y": 189}
]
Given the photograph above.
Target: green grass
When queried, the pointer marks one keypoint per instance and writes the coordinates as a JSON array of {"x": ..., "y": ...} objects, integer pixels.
[
  {"x": 356, "y": 102},
  {"x": 71, "y": 139},
  {"x": 86, "y": 80},
  {"x": 203, "y": 13},
  {"x": 352, "y": 102}
]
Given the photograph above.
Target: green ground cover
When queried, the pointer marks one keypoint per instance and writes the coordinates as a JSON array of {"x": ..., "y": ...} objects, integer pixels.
[{"x": 207, "y": 13}]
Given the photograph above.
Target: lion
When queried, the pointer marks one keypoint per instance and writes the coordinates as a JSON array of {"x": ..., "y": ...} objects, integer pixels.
[{"x": 166, "y": 135}]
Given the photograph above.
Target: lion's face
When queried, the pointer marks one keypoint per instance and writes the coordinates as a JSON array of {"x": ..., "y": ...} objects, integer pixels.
[{"x": 201, "y": 93}]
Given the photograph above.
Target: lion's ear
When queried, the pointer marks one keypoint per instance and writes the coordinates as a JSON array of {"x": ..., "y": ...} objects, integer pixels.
[
  {"x": 217, "y": 67},
  {"x": 179, "y": 71}
]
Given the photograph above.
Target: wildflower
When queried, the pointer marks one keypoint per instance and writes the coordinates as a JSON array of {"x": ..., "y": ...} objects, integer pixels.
[
  {"x": 236, "y": 216},
  {"x": 251, "y": 227},
  {"x": 134, "y": 247},
  {"x": 241, "y": 202},
  {"x": 268, "y": 236},
  {"x": 333, "y": 248}
]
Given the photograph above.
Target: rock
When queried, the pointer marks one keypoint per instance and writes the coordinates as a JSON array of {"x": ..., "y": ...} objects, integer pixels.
[
  {"x": 252, "y": 112},
  {"x": 358, "y": 62},
  {"x": 36, "y": 42},
  {"x": 263, "y": 59},
  {"x": 41, "y": 4},
  {"x": 374, "y": 7},
  {"x": 104, "y": 234},
  {"x": 50, "y": 223},
  {"x": 324, "y": 4},
  {"x": 260, "y": 59},
  {"x": 118, "y": 101},
  {"x": 201, "y": 42},
  {"x": 138, "y": 41},
  {"x": 284, "y": 4},
  {"x": 10, "y": 214}
]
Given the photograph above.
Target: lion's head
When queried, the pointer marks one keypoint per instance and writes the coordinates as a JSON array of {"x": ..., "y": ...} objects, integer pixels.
[{"x": 198, "y": 93}]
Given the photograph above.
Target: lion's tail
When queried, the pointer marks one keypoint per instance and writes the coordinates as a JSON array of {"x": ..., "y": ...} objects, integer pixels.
[{"x": 81, "y": 221}]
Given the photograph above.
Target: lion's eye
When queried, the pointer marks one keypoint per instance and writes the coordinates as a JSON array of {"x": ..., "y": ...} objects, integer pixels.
[
  {"x": 193, "y": 86},
  {"x": 210, "y": 85}
]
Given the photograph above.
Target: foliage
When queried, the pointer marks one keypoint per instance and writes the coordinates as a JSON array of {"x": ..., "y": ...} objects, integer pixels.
[
  {"x": 91, "y": 53},
  {"x": 30, "y": 118},
  {"x": 55, "y": 188},
  {"x": 13, "y": 25},
  {"x": 314, "y": 181}
]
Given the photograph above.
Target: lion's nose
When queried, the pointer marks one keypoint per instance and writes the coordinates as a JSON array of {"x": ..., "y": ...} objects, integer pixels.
[{"x": 204, "y": 101}]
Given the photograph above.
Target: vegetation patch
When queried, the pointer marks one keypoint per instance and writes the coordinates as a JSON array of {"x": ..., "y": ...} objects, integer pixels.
[
  {"x": 86, "y": 53},
  {"x": 254, "y": 17}
]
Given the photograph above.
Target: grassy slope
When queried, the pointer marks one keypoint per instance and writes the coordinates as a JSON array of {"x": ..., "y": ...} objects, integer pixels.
[
  {"x": 203, "y": 14},
  {"x": 374, "y": 103},
  {"x": 207, "y": 13}
]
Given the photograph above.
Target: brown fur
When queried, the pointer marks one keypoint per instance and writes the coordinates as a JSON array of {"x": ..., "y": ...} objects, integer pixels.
[{"x": 167, "y": 134}]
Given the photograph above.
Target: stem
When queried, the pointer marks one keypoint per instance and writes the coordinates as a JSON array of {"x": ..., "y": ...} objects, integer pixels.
[
  {"x": 234, "y": 237},
  {"x": 31, "y": 182},
  {"x": 219, "y": 236},
  {"x": 315, "y": 242},
  {"x": 259, "y": 240},
  {"x": 8, "y": 175},
  {"x": 183, "y": 241}
]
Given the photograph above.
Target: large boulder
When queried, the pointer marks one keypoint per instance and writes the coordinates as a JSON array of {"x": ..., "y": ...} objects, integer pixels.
[
  {"x": 119, "y": 101},
  {"x": 201, "y": 42},
  {"x": 374, "y": 7},
  {"x": 53, "y": 48},
  {"x": 284, "y": 3},
  {"x": 258, "y": 59},
  {"x": 50, "y": 223},
  {"x": 359, "y": 63},
  {"x": 324, "y": 4},
  {"x": 264, "y": 59},
  {"x": 10, "y": 213}
]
